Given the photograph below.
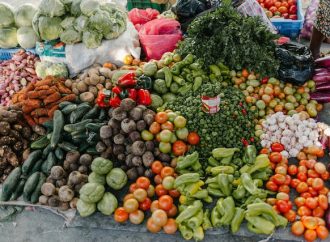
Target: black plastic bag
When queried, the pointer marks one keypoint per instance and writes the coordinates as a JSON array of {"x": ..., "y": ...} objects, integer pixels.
[
  {"x": 185, "y": 9},
  {"x": 296, "y": 63}
]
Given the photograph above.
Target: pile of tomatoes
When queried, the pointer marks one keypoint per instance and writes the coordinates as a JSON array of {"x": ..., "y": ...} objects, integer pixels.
[
  {"x": 140, "y": 199},
  {"x": 169, "y": 129},
  {"x": 280, "y": 8},
  {"x": 307, "y": 178}
]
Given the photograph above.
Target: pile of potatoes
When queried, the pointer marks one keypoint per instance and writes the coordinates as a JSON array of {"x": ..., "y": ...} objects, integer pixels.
[{"x": 88, "y": 83}]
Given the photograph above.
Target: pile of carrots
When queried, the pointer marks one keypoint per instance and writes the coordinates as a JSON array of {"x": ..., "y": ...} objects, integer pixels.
[{"x": 39, "y": 101}]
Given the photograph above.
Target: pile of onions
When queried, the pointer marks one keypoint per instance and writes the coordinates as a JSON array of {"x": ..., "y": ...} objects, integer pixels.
[
  {"x": 15, "y": 74},
  {"x": 322, "y": 80}
]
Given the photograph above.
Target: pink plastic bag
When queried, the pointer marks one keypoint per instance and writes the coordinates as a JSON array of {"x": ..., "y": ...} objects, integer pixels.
[
  {"x": 310, "y": 17},
  {"x": 142, "y": 16},
  {"x": 159, "y": 36}
]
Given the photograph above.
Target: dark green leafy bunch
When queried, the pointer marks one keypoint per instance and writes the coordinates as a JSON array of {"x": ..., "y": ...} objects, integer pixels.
[
  {"x": 227, "y": 128},
  {"x": 237, "y": 41}
]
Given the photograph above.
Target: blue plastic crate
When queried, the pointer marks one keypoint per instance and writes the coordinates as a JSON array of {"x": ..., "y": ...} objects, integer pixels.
[
  {"x": 288, "y": 27},
  {"x": 6, "y": 54}
]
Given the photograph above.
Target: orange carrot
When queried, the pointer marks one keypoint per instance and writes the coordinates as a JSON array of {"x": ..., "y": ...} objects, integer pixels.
[
  {"x": 44, "y": 87},
  {"x": 52, "y": 111},
  {"x": 38, "y": 94},
  {"x": 30, "y": 105},
  {"x": 62, "y": 88},
  {"x": 43, "y": 120},
  {"x": 52, "y": 98},
  {"x": 49, "y": 80},
  {"x": 29, "y": 120},
  {"x": 70, "y": 98},
  {"x": 39, "y": 112}
]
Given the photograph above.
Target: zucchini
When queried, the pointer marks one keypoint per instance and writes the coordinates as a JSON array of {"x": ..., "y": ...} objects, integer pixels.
[
  {"x": 95, "y": 127},
  {"x": 66, "y": 146},
  {"x": 30, "y": 185},
  {"x": 46, "y": 151},
  {"x": 19, "y": 190},
  {"x": 79, "y": 112},
  {"x": 58, "y": 126},
  {"x": 103, "y": 115},
  {"x": 37, "y": 191},
  {"x": 49, "y": 135},
  {"x": 49, "y": 163},
  {"x": 30, "y": 161},
  {"x": 69, "y": 109},
  {"x": 93, "y": 113},
  {"x": 37, "y": 166},
  {"x": 77, "y": 126},
  {"x": 64, "y": 104},
  {"x": 48, "y": 125},
  {"x": 59, "y": 153},
  {"x": 79, "y": 138},
  {"x": 10, "y": 184},
  {"x": 83, "y": 147},
  {"x": 92, "y": 151},
  {"x": 40, "y": 143}
]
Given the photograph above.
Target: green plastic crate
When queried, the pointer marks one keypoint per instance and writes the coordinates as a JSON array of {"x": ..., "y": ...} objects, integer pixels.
[{"x": 143, "y": 4}]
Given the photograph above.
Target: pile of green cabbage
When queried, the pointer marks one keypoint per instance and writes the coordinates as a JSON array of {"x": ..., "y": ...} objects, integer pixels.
[
  {"x": 16, "y": 26},
  {"x": 74, "y": 21}
]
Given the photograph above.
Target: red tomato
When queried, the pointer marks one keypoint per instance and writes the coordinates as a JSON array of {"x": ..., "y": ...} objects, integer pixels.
[
  {"x": 285, "y": 15},
  {"x": 193, "y": 138},
  {"x": 287, "y": 180},
  {"x": 143, "y": 182},
  {"x": 160, "y": 190},
  {"x": 313, "y": 192},
  {"x": 299, "y": 201},
  {"x": 279, "y": 179},
  {"x": 268, "y": 3},
  {"x": 179, "y": 148},
  {"x": 293, "y": 16},
  {"x": 275, "y": 157},
  {"x": 293, "y": 9},
  {"x": 285, "y": 4},
  {"x": 174, "y": 193},
  {"x": 290, "y": 216},
  {"x": 310, "y": 164},
  {"x": 165, "y": 202},
  {"x": 291, "y": 2},
  {"x": 271, "y": 186},
  {"x": 158, "y": 179},
  {"x": 302, "y": 187},
  {"x": 318, "y": 212},
  {"x": 277, "y": 4},
  {"x": 302, "y": 169},
  {"x": 322, "y": 232},
  {"x": 277, "y": 147},
  {"x": 172, "y": 212},
  {"x": 302, "y": 177},
  {"x": 283, "y": 206},
  {"x": 284, "y": 188},
  {"x": 294, "y": 182},
  {"x": 273, "y": 9},
  {"x": 283, "y": 9},
  {"x": 120, "y": 215},
  {"x": 133, "y": 187},
  {"x": 305, "y": 195},
  {"x": 304, "y": 211},
  {"x": 323, "y": 201},
  {"x": 167, "y": 171},
  {"x": 318, "y": 184},
  {"x": 156, "y": 167},
  {"x": 145, "y": 205},
  {"x": 293, "y": 170},
  {"x": 281, "y": 170},
  {"x": 311, "y": 202}
]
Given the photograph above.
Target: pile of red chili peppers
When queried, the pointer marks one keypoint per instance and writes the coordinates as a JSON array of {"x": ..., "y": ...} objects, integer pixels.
[{"x": 128, "y": 87}]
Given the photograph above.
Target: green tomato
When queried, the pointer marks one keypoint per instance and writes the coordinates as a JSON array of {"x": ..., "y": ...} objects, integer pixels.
[
  {"x": 165, "y": 135},
  {"x": 313, "y": 102},
  {"x": 273, "y": 81},
  {"x": 242, "y": 86},
  {"x": 258, "y": 133},
  {"x": 165, "y": 147},
  {"x": 289, "y": 106},
  {"x": 180, "y": 122},
  {"x": 182, "y": 133},
  {"x": 262, "y": 113},
  {"x": 168, "y": 182},
  {"x": 311, "y": 84},
  {"x": 297, "y": 96},
  {"x": 171, "y": 116},
  {"x": 253, "y": 108},
  {"x": 258, "y": 127},
  {"x": 288, "y": 90},
  {"x": 272, "y": 103},
  {"x": 292, "y": 112},
  {"x": 173, "y": 139},
  {"x": 291, "y": 99},
  {"x": 306, "y": 96},
  {"x": 146, "y": 135},
  {"x": 261, "y": 104},
  {"x": 250, "y": 89},
  {"x": 303, "y": 101}
]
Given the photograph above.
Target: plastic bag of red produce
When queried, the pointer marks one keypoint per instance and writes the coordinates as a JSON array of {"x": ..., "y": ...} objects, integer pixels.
[
  {"x": 142, "y": 16},
  {"x": 159, "y": 36}
]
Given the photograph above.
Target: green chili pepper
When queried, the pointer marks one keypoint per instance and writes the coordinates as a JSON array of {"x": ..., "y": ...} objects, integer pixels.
[
  {"x": 190, "y": 211},
  {"x": 220, "y": 206},
  {"x": 176, "y": 68},
  {"x": 188, "y": 60},
  {"x": 258, "y": 182},
  {"x": 195, "y": 221},
  {"x": 229, "y": 207},
  {"x": 224, "y": 184},
  {"x": 197, "y": 83},
  {"x": 195, "y": 66},
  {"x": 213, "y": 78},
  {"x": 185, "y": 88},
  {"x": 263, "y": 175},
  {"x": 239, "y": 193},
  {"x": 260, "y": 225},
  {"x": 215, "y": 217},
  {"x": 198, "y": 234},
  {"x": 226, "y": 160},
  {"x": 206, "y": 220},
  {"x": 222, "y": 67},
  {"x": 237, "y": 219},
  {"x": 261, "y": 162},
  {"x": 215, "y": 192},
  {"x": 192, "y": 188},
  {"x": 201, "y": 194},
  {"x": 250, "y": 154},
  {"x": 220, "y": 153},
  {"x": 248, "y": 184},
  {"x": 178, "y": 80},
  {"x": 215, "y": 70},
  {"x": 168, "y": 76},
  {"x": 213, "y": 162},
  {"x": 221, "y": 169},
  {"x": 186, "y": 233},
  {"x": 214, "y": 185},
  {"x": 208, "y": 199},
  {"x": 186, "y": 178},
  {"x": 187, "y": 161}
]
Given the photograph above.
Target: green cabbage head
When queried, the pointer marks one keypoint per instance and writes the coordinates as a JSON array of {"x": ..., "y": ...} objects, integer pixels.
[
  {"x": 67, "y": 22},
  {"x": 50, "y": 28},
  {"x": 52, "y": 8},
  {"x": 24, "y": 15},
  {"x": 8, "y": 38},
  {"x": 85, "y": 209},
  {"x": 26, "y": 37},
  {"x": 92, "y": 39},
  {"x": 81, "y": 23},
  {"x": 100, "y": 21},
  {"x": 6, "y": 15},
  {"x": 88, "y": 7},
  {"x": 70, "y": 36},
  {"x": 107, "y": 204}
]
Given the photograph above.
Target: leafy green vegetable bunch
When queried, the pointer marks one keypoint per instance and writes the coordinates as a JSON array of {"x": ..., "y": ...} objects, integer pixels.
[{"x": 237, "y": 41}]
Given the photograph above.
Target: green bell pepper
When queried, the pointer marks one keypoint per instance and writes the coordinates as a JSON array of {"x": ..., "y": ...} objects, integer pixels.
[
  {"x": 215, "y": 192},
  {"x": 248, "y": 184},
  {"x": 260, "y": 225},
  {"x": 186, "y": 178},
  {"x": 229, "y": 207},
  {"x": 224, "y": 184},
  {"x": 220, "y": 153},
  {"x": 190, "y": 211},
  {"x": 221, "y": 169},
  {"x": 250, "y": 154},
  {"x": 206, "y": 220},
  {"x": 198, "y": 234},
  {"x": 239, "y": 192},
  {"x": 261, "y": 162},
  {"x": 187, "y": 161},
  {"x": 195, "y": 221},
  {"x": 215, "y": 217},
  {"x": 237, "y": 219},
  {"x": 213, "y": 162},
  {"x": 186, "y": 233}
]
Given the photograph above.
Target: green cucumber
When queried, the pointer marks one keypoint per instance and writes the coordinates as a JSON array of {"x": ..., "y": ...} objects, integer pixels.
[
  {"x": 48, "y": 125},
  {"x": 103, "y": 115},
  {"x": 77, "y": 114},
  {"x": 30, "y": 161},
  {"x": 66, "y": 146},
  {"x": 59, "y": 153},
  {"x": 30, "y": 185},
  {"x": 37, "y": 166},
  {"x": 95, "y": 127},
  {"x": 37, "y": 191},
  {"x": 48, "y": 163},
  {"x": 69, "y": 109},
  {"x": 83, "y": 147},
  {"x": 49, "y": 135},
  {"x": 64, "y": 104},
  {"x": 94, "y": 112},
  {"x": 77, "y": 126},
  {"x": 58, "y": 127},
  {"x": 40, "y": 143},
  {"x": 19, "y": 190},
  {"x": 10, "y": 183},
  {"x": 46, "y": 151}
]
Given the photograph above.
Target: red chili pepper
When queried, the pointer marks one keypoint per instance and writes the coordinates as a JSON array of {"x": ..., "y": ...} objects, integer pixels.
[
  {"x": 245, "y": 142},
  {"x": 264, "y": 80},
  {"x": 103, "y": 98},
  {"x": 117, "y": 90},
  {"x": 244, "y": 112},
  {"x": 143, "y": 97},
  {"x": 252, "y": 139},
  {"x": 115, "y": 102},
  {"x": 132, "y": 93},
  {"x": 127, "y": 80}
]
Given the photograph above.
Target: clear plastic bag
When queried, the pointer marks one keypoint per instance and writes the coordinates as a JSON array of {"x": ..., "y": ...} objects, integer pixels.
[{"x": 159, "y": 36}]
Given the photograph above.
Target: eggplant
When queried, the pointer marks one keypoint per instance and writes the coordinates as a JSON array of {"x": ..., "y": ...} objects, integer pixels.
[{"x": 321, "y": 97}]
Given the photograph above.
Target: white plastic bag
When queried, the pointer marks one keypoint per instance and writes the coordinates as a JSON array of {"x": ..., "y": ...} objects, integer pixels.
[
  {"x": 252, "y": 8},
  {"x": 77, "y": 57}
]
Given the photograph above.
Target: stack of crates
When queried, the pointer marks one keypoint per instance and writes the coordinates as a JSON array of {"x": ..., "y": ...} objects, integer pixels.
[{"x": 143, "y": 4}]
